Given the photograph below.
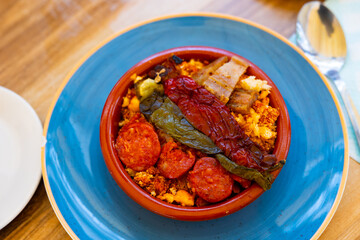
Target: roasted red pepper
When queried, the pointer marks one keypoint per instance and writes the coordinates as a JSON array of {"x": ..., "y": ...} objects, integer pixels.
[{"x": 210, "y": 116}]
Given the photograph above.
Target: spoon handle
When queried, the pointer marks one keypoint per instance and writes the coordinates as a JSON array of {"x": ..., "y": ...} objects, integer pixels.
[{"x": 353, "y": 114}]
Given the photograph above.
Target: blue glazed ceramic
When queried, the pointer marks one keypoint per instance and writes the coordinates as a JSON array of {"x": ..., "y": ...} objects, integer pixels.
[{"x": 89, "y": 203}]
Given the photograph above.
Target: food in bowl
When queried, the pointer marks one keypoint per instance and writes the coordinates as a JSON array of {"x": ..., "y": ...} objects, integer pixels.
[
  {"x": 156, "y": 99},
  {"x": 194, "y": 132}
]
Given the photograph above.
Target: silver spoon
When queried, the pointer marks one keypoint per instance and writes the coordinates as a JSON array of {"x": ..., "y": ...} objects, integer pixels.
[{"x": 320, "y": 36}]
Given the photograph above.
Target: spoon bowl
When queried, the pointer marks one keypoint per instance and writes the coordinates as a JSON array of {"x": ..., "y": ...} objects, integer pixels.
[{"x": 321, "y": 37}]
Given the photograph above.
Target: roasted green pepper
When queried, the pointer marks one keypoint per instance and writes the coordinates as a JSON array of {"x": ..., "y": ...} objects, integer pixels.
[
  {"x": 165, "y": 115},
  {"x": 170, "y": 119}
]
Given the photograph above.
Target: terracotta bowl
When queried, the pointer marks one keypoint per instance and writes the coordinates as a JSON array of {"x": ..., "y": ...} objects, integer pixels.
[{"x": 109, "y": 129}]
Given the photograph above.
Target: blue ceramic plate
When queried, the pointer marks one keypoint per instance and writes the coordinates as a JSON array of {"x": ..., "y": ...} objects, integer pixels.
[{"x": 304, "y": 197}]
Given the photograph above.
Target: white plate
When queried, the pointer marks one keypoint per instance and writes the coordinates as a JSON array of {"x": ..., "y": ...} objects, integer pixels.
[{"x": 20, "y": 154}]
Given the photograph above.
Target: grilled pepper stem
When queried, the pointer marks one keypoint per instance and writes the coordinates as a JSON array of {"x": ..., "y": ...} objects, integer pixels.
[{"x": 263, "y": 179}]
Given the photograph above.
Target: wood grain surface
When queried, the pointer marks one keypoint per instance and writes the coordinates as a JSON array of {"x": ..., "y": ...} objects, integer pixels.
[{"x": 42, "y": 40}]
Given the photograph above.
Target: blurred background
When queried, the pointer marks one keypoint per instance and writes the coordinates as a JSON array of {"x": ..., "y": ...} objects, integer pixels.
[{"x": 42, "y": 41}]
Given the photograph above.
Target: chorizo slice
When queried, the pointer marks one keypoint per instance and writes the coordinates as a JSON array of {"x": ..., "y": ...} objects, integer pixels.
[
  {"x": 201, "y": 202},
  {"x": 173, "y": 161},
  {"x": 138, "y": 145},
  {"x": 242, "y": 181},
  {"x": 210, "y": 180}
]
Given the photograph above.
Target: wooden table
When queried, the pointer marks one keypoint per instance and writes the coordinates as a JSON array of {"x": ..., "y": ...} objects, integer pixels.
[{"x": 42, "y": 40}]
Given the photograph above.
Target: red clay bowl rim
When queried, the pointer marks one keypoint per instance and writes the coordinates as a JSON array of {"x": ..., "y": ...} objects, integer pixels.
[{"x": 158, "y": 206}]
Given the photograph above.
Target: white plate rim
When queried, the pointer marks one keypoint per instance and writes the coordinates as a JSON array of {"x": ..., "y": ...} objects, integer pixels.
[{"x": 27, "y": 194}]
